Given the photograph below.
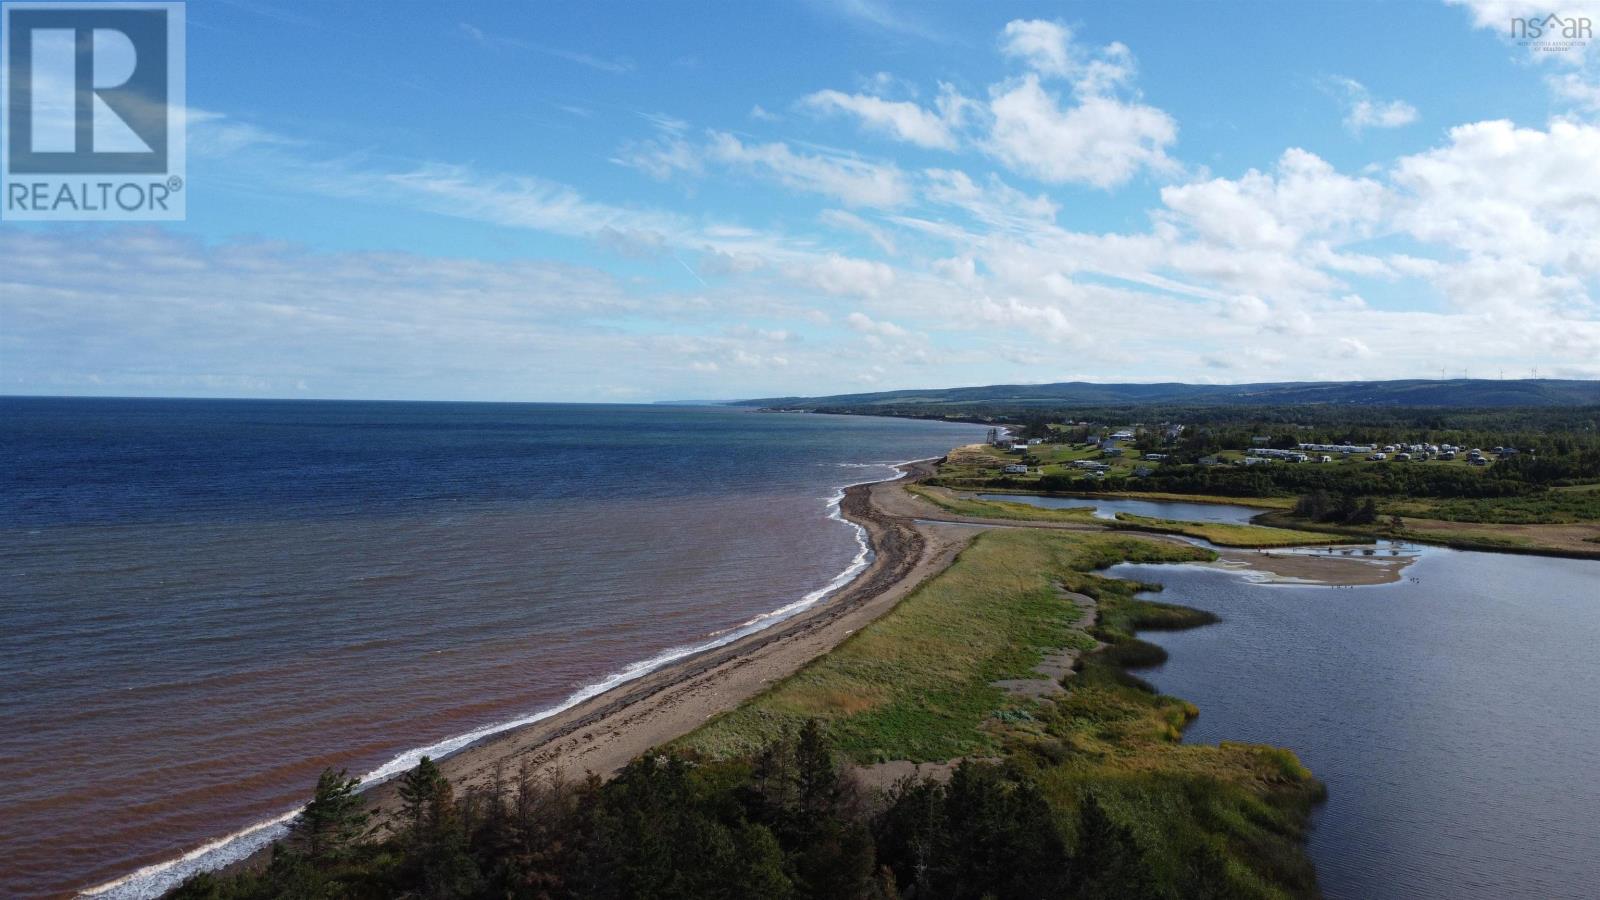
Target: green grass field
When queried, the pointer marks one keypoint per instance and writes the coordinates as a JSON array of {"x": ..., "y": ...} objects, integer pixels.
[
  {"x": 917, "y": 684},
  {"x": 1002, "y": 509},
  {"x": 1558, "y": 506},
  {"x": 1226, "y": 535}
]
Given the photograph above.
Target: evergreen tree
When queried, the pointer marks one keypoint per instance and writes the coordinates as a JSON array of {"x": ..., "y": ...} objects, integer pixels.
[
  {"x": 334, "y": 820},
  {"x": 1109, "y": 861}
]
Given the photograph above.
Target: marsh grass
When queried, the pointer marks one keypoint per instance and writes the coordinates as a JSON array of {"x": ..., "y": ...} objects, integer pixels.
[
  {"x": 1002, "y": 509},
  {"x": 1230, "y": 535},
  {"x": 917, "y": 685}
]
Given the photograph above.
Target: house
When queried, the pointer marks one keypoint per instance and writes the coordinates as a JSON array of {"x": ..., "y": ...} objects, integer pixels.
[
  {"x": 1210, "y": 461},
  {"x": 1109, "y": 449},
  {"x": 1015, "y": 469},
  {"x": 1155, "y": 457},
  {"x": 1019, "y": 448},
  {"x": 1123, "y": 435},
  {"x": 1254, "y": 461}
]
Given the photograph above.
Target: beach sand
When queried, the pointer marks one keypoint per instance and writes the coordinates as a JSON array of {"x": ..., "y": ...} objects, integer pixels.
[
  {"x": 604, "y": 733},
  {"x": 912, "y": 541}
]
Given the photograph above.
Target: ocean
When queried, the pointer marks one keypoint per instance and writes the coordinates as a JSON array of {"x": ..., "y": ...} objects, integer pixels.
[{"x": 206, "y": 602}]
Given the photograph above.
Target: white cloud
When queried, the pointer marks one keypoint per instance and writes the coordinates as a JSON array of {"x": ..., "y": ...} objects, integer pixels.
[
  {"x": 1042, "y": 45},
  {"x": 1302, "y": 198},
  {"x": 852, "y": 181},
  {"x": 866, "y": 325},
  {"x": 1095, "y": 136},
  {"x": 995, "y": 204},
  {"x": 902, "y": 120},
  {"x": 845, "y": 276},
  {"x": 1102, "y": 141},
  {"x": 1580, "y": 92},
  {"x": 849, "y": 221},
  {"x": 1362, "y": 111},
  {"x": 1498, "y": 190}
]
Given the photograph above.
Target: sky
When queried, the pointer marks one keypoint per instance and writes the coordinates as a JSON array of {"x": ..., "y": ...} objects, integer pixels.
[{"x": 607, "y": 202}]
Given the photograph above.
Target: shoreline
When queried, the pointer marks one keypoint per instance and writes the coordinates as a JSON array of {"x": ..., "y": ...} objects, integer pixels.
[
  {"x": 906, "y": 541},
  {"x": 604, "y": 725}
]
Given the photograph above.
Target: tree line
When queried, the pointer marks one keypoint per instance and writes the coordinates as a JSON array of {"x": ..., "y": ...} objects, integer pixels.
[{"x": 789, "y": 822}]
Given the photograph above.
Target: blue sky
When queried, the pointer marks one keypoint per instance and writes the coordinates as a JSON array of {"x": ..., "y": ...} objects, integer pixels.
[{"x": 542, "y": 201}]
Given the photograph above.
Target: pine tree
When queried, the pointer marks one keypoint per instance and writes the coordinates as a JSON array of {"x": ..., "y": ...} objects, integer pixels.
[
  {"x": 334, "y": 820},
  {"x": 418, "y": 792},
  {"x": 1109, "y": 862}
]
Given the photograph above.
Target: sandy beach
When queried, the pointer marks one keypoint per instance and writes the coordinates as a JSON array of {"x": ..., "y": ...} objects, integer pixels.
[
  {"x": 912, "y": 540},
  {"x": 603, "y": 734}
]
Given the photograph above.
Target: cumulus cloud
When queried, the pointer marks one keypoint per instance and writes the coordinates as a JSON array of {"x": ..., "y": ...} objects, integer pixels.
[
  {"x": 844, "y": 276},
  {"x": 866, "y": 325},
  {"x": 1303, "y": 197},
  {"x": 1363, "y": 111},
  {"x": 1093, "y": 132},
  {"x": 1101, "y": 141},
  {"x": 1498, "y": 190}
]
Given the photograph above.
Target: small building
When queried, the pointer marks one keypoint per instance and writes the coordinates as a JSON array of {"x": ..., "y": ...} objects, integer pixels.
[
  {"x": 1155, "y": 457},
  {"x": 1111, "y": 450},
  {"x": 1210, "y": 461},
  {"x": 1261, "y": 440},
  {"x": 1015, "y": 469}
]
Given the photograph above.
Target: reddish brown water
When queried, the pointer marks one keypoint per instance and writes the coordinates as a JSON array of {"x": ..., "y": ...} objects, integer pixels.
[{"x": 205, "y": 604}]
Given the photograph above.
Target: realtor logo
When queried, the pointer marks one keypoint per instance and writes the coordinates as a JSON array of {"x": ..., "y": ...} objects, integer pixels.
[{"x": 93, "y": 118}]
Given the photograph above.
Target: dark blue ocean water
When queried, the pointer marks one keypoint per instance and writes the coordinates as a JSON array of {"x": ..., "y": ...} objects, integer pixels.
[{"x": 202, "y": 603}]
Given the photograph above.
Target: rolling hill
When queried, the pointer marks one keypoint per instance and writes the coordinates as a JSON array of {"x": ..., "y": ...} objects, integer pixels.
[{"x": 1454, "y": 393}]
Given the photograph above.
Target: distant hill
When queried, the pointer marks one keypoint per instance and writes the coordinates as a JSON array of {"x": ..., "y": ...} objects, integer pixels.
[{"x": 1455, "y": 393}]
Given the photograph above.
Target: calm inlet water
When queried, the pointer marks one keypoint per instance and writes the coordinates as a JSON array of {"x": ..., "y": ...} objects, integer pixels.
[
  {"x": 203, "y": 603},
  {"x": 1160, "y": 509},
  {"x": 1450, "y": 714}
]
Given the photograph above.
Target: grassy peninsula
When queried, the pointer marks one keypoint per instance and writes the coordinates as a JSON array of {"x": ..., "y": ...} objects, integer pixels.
[
  {"x": 1085, "y": 793},
  {"x": 920, "y": 685}
]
